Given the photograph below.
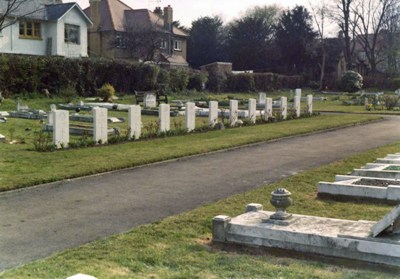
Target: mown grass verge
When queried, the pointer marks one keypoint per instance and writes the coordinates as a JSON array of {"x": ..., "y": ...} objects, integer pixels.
[
  {"x": 21, "y": 167},
  {"x": 180, "y": 246}
]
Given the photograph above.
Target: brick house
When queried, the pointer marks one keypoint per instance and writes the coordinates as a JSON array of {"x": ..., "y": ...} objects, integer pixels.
[{"x": 113, "y": 22}]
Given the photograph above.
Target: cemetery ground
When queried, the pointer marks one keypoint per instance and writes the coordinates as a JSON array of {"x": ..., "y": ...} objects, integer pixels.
[{"x": 180, "y": 246}]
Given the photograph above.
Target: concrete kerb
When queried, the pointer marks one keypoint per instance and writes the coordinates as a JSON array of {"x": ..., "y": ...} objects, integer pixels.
[{"x": 60, "y": 182}]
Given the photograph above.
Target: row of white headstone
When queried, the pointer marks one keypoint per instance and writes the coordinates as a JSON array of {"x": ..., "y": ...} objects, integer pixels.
[{"x": 60, "y": 118}]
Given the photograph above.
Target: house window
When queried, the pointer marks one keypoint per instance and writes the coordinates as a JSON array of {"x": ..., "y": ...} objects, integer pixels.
[
  {"x": 178, "y": 45},
  {"x": 163, "y": 44},
  {"x": 29, "y": 29},
  {"x": 71, "y": 34},
  {"x": 121, "y": 40}
]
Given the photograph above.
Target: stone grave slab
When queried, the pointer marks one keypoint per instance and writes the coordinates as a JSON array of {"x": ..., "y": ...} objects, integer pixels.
[
  {"x": 378, "y": 170},
  {"x": 4, "y": 113},
  {"x": 361, "y": 187},
  {"x": 390, "y": 221},
  {"x": 346, "y": 239}
]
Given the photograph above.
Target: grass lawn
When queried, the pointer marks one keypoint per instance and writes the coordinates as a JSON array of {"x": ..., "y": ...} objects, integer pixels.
[
  {"x": 20, "y": 166},
  {"x": 180, "y": 246}
]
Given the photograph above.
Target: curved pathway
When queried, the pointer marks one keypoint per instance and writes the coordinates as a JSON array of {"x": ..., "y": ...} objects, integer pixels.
[{"x": 39, "y": 221}]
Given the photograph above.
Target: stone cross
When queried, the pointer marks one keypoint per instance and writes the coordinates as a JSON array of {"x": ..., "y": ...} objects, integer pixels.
[
  {"x": 297, "y": 105},
  {"x": 213, "y": 113},
  {"x": 190, "y": 116},
  {"x": 134, "y": 121},
  {"x": 164, "y": 117},
  {"x": 100, "y": 125},
  {"x": 60, "y": 128},
  {"x": 309, "y": 104},
  {"x": 283, "y": 108},
  {"x": 252, "y": 110},
  {"x": 268, "y": 109},
  {"x": 233, "y": 112}
]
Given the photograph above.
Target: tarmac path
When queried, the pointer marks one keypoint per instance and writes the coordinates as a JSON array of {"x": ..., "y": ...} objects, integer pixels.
[{"x": 39, "y": 221}]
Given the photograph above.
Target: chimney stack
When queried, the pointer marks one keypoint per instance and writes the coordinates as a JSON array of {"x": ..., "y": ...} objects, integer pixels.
[
  {"x": 168, "y": 18},
  {"x": 95, "y": 13}
]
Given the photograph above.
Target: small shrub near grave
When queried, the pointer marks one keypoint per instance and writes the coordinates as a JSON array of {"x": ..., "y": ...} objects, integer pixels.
[
  {"x": 390, "y": 101},
  {"x": 352, "y": 81},
  {"x": 106, "y": 92}
]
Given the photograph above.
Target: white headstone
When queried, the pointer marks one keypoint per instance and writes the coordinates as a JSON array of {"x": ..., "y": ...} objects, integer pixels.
[
  {"x": 233, "y": 112},
  {"x": 252, "y": 110},
  {"x": 298, "y": 92},
  {"x": 190, "y": 116},
  {"x": 297, "y": 105},
  {"x": 53, "y": 107},
  {"x": 213, "y": 113},
  {"x": 2, "y": 138},
  {"x": 50, "y": 116},
  {"x": 81, "y": 276},
  {"x": 134, "y": 121},
  {"x": 60, "y": 128},
  {"x": 81, "y": 103},
  {"x": 268, "y": 109},
  {"x": 100, "y": 125},
  {"x": 283, "y": 107},
  {"x": 262, "y": 98},
  {"x": 310, "y": 104},
  {"x": 164, "y": 117},
  {"x": 149, "y": 100}
]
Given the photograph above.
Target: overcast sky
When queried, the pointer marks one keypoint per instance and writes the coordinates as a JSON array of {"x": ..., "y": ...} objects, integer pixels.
[{"x": 188, "y": 10}]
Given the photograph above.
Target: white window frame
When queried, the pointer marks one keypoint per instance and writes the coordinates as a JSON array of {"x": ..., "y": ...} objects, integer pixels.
[
  {"x": 68, "y": 29},
  {"x": 178, "y": 45},
  {"x": 163, "y": 44}
]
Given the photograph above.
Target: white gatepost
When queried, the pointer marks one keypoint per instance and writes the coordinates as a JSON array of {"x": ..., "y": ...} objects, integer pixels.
[
  {"x": 268, "y": 109},
  {"x": 309, "y": 104},
  {"x": 233, "y": 112},
  {"x": 190, "y": 116},
  {"x": 134, "y": 121},
  {"x": 252, "y": 110},
  {"x": 100, "y": 125},
  {"x": 297, "y": 105},
  {"x": 60, "y": 128},
  {"x": 164, "y": 117},
  {"x": 283, "y": 108},
  {"x": 212, "y": 113}
]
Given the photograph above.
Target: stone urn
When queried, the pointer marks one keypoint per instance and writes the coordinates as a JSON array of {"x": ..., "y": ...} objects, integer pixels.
[{"x": 281, "y": 201}]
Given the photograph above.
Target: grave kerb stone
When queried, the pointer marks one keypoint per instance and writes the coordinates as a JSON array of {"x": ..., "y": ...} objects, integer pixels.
[{"x": 392, "y": 219}]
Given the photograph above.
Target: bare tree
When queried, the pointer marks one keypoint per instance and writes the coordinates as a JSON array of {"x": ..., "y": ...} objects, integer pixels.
[
  {"x": 342, "y": 13},
  {"x": 8, "y": 8},
  {"x": 372, "y": 15},
  {"x": 392, "y": 30}
]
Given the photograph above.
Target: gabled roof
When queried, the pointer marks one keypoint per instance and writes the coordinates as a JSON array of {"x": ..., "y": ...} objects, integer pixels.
[
  {"x": 115, "y": 16},
  {"x": 57, "y": 11}
]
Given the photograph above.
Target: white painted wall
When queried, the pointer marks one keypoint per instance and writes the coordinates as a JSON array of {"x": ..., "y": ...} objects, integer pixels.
[{"x": 10, "y": 42}]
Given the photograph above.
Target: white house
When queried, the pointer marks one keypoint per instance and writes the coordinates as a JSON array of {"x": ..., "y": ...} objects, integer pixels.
[{"x": 45, "y": 27}]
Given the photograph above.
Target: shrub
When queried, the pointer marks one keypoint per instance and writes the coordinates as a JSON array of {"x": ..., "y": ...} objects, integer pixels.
[
  {"x": 179, "y": 79},
  {"x": 351, "y": 81},
  {"x": 106, "y": 92},
  {"x": 291, "y": 82},
  {"x": 265, "y": 81},
  {"x": 241, "y": 83},
  {"x": 216, "y": 80},
  {"x": 390, "y": 101},
  {"x": 197, "y": 81}
]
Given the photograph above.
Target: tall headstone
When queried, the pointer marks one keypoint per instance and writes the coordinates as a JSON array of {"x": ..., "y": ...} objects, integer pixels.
[
  {"x": 268, "y": 109},
  {"x": 60, "y": 128},
  {"x": 213, "y": 113},
  {"x": 297, "y": 105},
  {"x": 149, "y": 100},
  {"x": 298, "y": 92},
  {"x": 164, "y": 117},
  {"x": 252, "y": 110},
  {"x": 283, "y": 108},
  {"x": 100, "y": 125},
  {"x": 233, "y": 112},
  {"x": 50, "y": 116},
  {"x": 262, "y": 98},
  {"x": 309, "y": 104},
  {"x": 190, "y": 116},
  {"x": 134, "y": 121}
]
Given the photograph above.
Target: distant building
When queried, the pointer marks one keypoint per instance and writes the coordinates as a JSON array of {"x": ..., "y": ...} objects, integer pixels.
[
  {"x": 45, "y": 27},
  {"x": 113, "y": 22}
]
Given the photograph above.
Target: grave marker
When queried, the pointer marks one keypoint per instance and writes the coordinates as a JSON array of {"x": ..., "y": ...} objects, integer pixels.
[
  {"x": 60, "y": 128},
  {"x": 262, "y": 98},
  {"x": 252, "y": 110},
  {"x": 149, "y": 100},
  {"x": 233, "y": 112},
  {"x": 297, "y": 105},
  {"x": 298, "y": 92},
  {"x": 134, "y": 121},
  {"x": 190, "y": 116},
  {"x": 283, "y": 108},
  {"x": 213, "y": 113},
  {"x": 100, "y": 132},
  {"x": 164, "y": 117},
  {"x": 268, "y": 109},
  {"x": 310, "y": 104},
  {"x": 390, "y": 221}
]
